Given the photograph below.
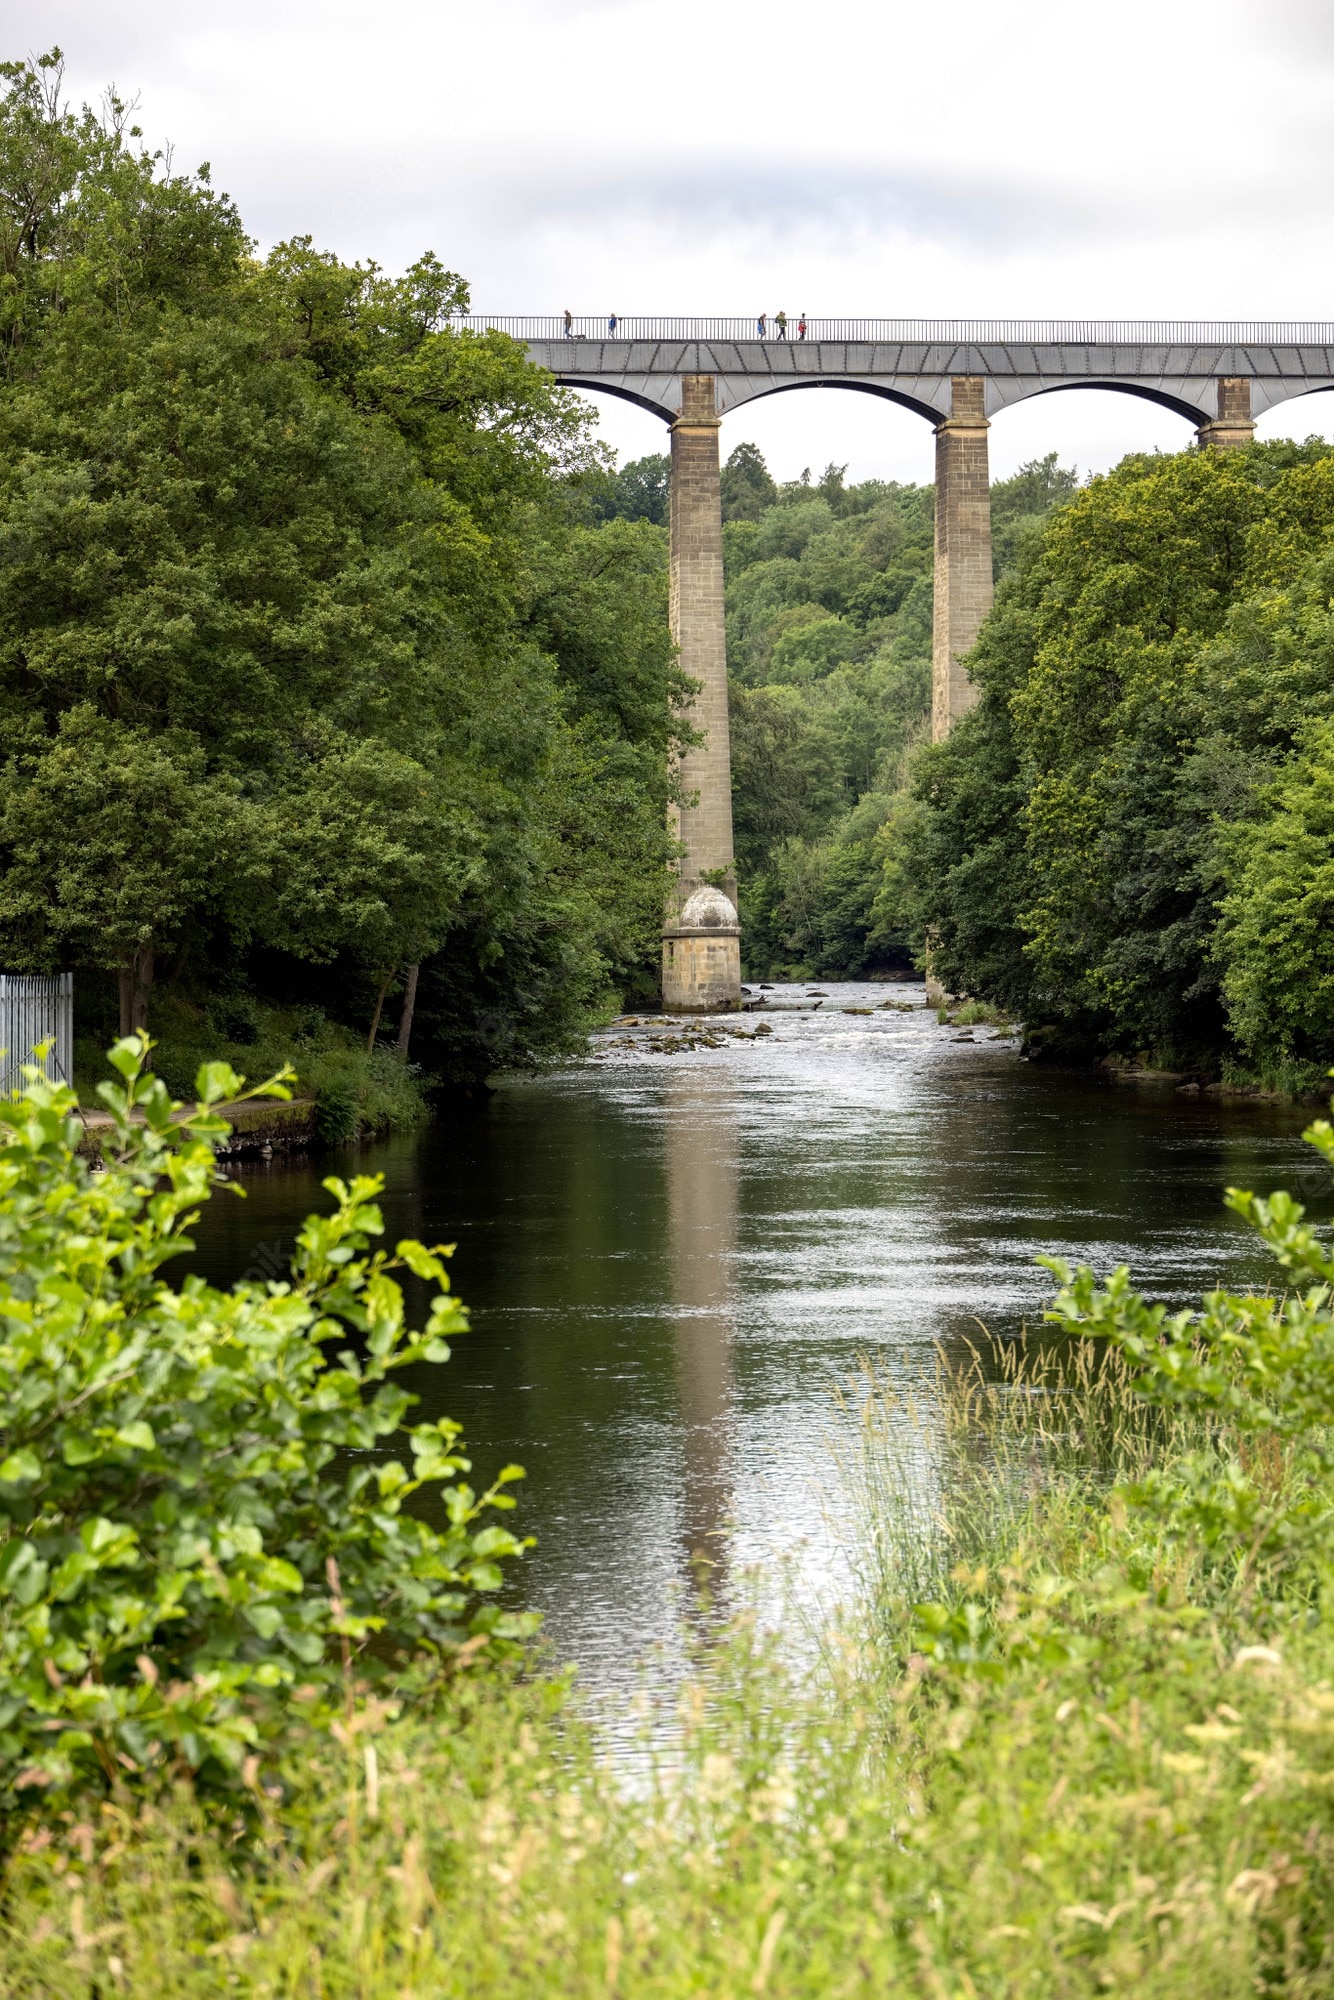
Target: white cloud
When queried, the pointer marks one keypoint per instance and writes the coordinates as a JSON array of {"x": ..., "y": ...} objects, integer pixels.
[{"x": 1015, "y": 157}]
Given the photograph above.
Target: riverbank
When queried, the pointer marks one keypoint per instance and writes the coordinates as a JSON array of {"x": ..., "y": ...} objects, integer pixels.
[
  {"x": 260, "y": 1130},
  {"x": 1305, "y": 1085},
  {"x": 351, "y": 1092},
  {"x": 1059, "y": 1744}
]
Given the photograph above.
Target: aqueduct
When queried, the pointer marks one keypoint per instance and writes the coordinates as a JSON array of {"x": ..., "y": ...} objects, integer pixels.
[{"x": 956, "y": 374}]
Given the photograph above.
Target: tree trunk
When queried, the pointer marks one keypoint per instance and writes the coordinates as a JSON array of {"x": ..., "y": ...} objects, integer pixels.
[
  {"x": 405, "y": 1018},
  {"x": 385, "y": 985},
  {"x": 136, "y": 983}
]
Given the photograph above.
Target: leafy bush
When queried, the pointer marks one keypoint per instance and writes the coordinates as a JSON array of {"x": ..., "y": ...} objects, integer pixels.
[
  {"x": 1136, "y": 1492},
  {"x": 973, "y": 1014},
  {"x": 359, "y": 1092},
  {"x": 1257, "y": 1372},
  {"x": 234, "y": 1017},
  {"x": 206, "y": 1516}
]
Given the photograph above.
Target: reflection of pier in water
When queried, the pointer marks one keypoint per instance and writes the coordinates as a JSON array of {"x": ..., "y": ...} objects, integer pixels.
[{"x": 701, "y": 1143}]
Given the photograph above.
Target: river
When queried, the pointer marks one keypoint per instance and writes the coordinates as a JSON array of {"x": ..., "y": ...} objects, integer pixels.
[{"x": 674, "y": 1255}]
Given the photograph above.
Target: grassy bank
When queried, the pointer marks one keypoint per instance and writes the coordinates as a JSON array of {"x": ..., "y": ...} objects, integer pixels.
[
  {"x": 1100, "y": 1765},
  {"x": 357, "y": 1093},
  {"x": 1075, "y": 1736}
]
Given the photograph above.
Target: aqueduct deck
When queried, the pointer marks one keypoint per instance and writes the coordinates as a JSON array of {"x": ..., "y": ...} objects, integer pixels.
[
  {"x": 1177, "y": 363},
  {"x": 956, "y": 374}
]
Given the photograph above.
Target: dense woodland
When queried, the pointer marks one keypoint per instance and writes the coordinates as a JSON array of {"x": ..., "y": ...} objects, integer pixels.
[
  {"x": 1130, "y": 842},
  {"x": 316, "y": 664}
]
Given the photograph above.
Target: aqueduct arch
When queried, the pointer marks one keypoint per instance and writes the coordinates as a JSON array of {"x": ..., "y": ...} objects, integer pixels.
[{"x": 956, "y": 375}]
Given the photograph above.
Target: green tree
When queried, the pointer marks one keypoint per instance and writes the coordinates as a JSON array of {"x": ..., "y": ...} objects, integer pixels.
[
  {"x": 747, "y": 486},
  {"x": 1148, "y": 672},
  {"x": 829, "y": 609},
  {"x": 112, "y": 838},
  {"x": 638, "y": 492},
  {"x": 1021, "y": 504},
  {"x": 89, "y": 220},
  {"x": 285, "y": 527},
  {"x": 1276, "y": 921}
]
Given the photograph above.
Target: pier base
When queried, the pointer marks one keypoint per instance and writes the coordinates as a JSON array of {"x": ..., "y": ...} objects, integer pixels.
[
  {"x": 701, "y": 975},
  {"x": 701, "y": 956}
]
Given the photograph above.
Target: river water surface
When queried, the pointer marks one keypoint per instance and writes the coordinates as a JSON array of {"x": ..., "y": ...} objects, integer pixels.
[{"x": 675, "y": 1255}]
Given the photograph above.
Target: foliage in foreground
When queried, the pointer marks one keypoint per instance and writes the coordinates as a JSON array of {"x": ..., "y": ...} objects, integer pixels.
[
  {"x": 1079, "y": 1738},
  {"x": 206, "y": 1516}
]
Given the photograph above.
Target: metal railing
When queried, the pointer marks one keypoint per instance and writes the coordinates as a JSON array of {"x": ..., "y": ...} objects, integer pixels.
[
  {"x": 34, "y": 1009},
  {"x": 918, "y": 332}
]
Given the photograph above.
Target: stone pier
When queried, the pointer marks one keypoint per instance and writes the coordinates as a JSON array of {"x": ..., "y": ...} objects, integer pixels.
[
  {"x": 1234, "y": 423},
  {"x": 963, "y": 550},
  {"x": 701, "y": 947}
]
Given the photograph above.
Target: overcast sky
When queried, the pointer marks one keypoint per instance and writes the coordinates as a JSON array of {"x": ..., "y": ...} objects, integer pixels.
[{"x": 1159, "y": 158}]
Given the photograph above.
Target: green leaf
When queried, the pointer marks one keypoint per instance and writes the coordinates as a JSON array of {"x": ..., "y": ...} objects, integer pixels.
[
  {"x": 306, "y": 1646},
  {"x": 128, "y": 1056},
  {"x": 217, "y": 1081},
  {"x": 424, "y": 1263},
  {"x": 22, "y": 1572}
]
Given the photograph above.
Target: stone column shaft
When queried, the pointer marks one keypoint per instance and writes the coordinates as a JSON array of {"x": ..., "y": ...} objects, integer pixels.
[
  {"x": 701, "y": 940},
  {"x": 963, "y": 550},
  {"x": 699, "y": 628},
  {"x": 1234, "y": 423}
]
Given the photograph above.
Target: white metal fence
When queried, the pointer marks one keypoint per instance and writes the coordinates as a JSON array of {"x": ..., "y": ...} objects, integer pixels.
[
  {"x": 35, "y": 1009},
  {"x": 918, "y": 332}
]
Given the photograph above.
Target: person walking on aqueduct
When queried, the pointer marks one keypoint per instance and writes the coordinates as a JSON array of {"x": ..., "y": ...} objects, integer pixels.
[
  {"x": 801, "y": 327},
  {"x": 780, "y": 321},
  {"x": 762, "y": 326},
  {"x": 569, "y": 324}
]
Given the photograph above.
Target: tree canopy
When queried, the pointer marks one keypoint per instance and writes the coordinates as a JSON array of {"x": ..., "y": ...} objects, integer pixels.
[
  {"x": 315, "y": 648},
  {"x": 1127, "y": 840}
]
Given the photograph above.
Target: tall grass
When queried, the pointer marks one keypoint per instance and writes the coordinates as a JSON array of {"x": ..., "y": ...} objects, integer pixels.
[
  {"x": 1007, "y": 1445},
  {"x": 1101, "y": 1778}
]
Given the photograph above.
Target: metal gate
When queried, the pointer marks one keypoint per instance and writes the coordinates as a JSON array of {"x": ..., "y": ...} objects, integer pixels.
[{"x": 36, "y": 1009}]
